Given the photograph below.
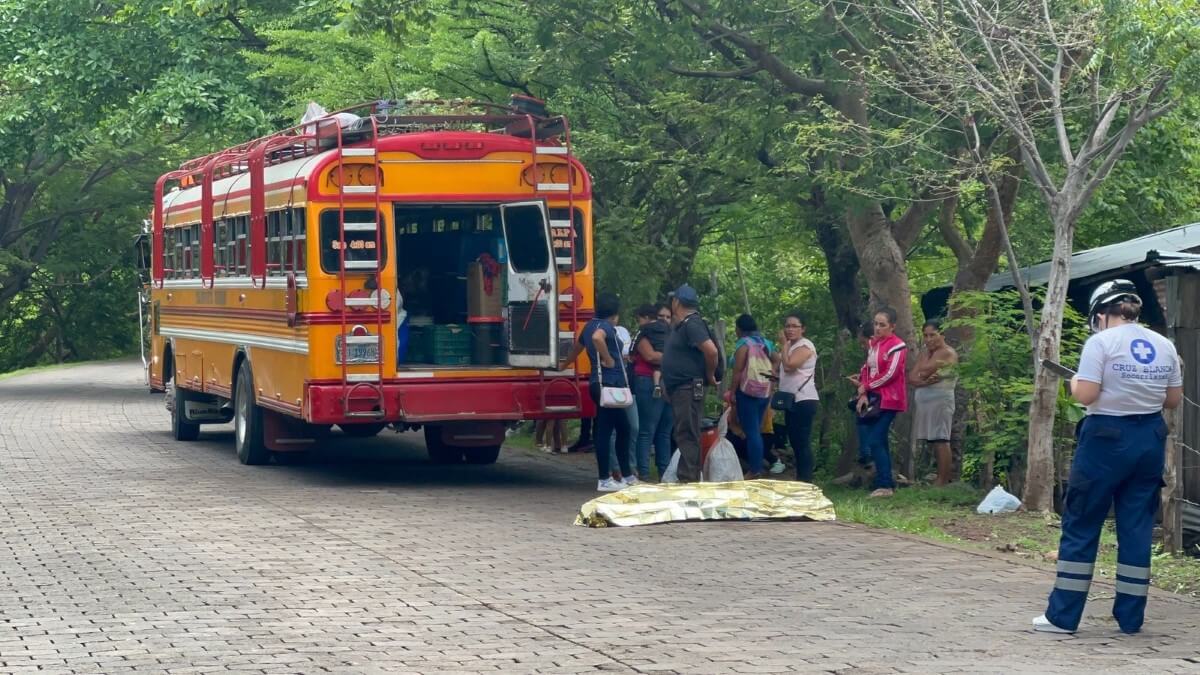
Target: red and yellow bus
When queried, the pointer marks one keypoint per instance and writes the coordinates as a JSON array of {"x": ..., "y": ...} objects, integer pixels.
[{"x": 378, "y": 266}]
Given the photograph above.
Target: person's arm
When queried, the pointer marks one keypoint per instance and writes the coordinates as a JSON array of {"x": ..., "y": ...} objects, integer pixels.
[
  {"x": 739, "y": 362},
  {"x": 1174, "y": 398},
  {"x": 1085, "y": 386},
  {"x": 646, "y": 350},
  {"x": 1175, "y": 386},
  {"x": 709, "y": 349},
  {"x": 575, "y": 352},
  {"x": 895, "y": 366},
  {"x": 947, "y": 358},
  {"x": 600, "y": 342},
  {"x": 918, "y": 376},
  {"x": 796, "y": 358}
]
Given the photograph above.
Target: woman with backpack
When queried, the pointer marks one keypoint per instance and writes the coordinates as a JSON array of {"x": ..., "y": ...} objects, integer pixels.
[{"x": 752, "y": 374}]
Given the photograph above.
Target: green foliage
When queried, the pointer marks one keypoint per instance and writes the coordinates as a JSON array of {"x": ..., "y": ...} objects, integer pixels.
[{"x": 996, "y": 371}]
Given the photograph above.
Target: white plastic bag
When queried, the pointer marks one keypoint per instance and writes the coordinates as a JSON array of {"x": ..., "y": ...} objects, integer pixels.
[
  {"x": 998, "y": 501},
  {"x": 671, "y": 475},
  {"x": 722, "y": 463},
  {"x": 316, "y": 111}
]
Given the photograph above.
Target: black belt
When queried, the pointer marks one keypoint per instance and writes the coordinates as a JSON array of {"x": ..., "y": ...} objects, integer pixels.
[{"x": 1141, "y": 417}]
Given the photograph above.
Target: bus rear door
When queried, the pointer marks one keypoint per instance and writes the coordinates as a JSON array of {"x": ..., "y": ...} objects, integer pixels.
[{"x": 532, "y": 296}]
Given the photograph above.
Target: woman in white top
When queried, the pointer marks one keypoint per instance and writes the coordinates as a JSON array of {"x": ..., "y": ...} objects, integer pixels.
[{"x": 797, "y": 366}]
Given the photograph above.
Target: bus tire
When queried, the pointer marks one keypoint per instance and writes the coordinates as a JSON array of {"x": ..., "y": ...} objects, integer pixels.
[
  {"x": 248, "y": 421},
  {"x": 439, "y": 452},
  {"x": 181, "y": 428},
  {"x": 485, "y": 455},
  {"x": 363, "y": 430}
]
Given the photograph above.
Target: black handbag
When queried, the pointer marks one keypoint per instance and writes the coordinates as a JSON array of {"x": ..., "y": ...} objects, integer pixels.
[
  {"x": 784, "y": 400},
  {"x": 873, "y": 410}
]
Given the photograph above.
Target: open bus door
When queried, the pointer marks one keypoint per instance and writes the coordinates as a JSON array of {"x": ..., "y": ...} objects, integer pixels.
[
  {"x": 532, "y": 295},
  {"x": 141, "y": 252}
]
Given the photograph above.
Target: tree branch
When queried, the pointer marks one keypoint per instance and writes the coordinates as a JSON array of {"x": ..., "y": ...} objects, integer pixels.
[
  {"x": 1060, "y": 125},
  {"x": 794, "y": 81},
  {"x": 741, "y": 74},
  {"x": 950, "y": 234},
  {"x": 909, "y": 226},
  {"x": 252, "y": 39}
]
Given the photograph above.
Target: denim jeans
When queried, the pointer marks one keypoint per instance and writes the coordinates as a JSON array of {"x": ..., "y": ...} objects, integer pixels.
[
  {"x": 608, "y": 422},
  {"x": 875, "y": 433},
  {"x": 750, "y": 411},
  {"x": 631, "y": 414},
  {"x": 799, "y": 429},
  {"x": 654, "y": 427}
]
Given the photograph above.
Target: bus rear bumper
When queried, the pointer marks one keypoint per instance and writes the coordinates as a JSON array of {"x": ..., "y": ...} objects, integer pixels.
[{"x": 427, "y": 402}]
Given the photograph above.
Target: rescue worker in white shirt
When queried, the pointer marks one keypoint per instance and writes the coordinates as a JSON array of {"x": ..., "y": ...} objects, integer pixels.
[{"x": 1127, "y": 375}]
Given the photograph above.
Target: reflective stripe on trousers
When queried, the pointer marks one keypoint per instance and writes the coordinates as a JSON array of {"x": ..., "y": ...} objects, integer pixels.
[{"x": 1118, "y": 465}]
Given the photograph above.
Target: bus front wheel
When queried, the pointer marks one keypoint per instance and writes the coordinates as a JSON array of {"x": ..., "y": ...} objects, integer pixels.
[
  {"x": 248, "y": 421},
  {"x": 181, "y": 428}
]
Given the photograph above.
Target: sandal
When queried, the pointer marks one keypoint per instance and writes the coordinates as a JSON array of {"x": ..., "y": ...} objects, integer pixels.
[{"x": 882, "y": 492}]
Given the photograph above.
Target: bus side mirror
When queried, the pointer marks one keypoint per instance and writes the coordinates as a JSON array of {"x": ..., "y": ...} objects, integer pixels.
[{"x": 141, "y": 252}]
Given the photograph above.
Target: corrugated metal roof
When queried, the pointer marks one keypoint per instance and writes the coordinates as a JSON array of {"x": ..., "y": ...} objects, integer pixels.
[
  {"x": 1191, "y": 518},
  {"x": 1109, "y": 258}
]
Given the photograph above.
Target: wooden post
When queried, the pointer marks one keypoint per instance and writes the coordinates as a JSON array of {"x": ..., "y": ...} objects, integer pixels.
[
  {"x": 1183, "y": 320},
  {"x": 1172, "y": 512}
]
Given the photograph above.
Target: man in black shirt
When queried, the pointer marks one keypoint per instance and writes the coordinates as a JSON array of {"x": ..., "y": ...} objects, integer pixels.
[{"x": 689, "y": 364}]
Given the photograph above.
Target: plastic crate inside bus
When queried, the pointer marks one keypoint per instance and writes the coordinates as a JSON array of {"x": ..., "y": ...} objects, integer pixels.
[{"x": 447, "y": 344}]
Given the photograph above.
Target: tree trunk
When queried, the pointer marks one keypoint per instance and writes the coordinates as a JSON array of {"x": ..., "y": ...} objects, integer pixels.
[
  {"x": 1039, "y": 469},
  {"x": 737, "y": 261},
  {"x": 841, "y": 261},
  {"x": 883, "y": 264}
]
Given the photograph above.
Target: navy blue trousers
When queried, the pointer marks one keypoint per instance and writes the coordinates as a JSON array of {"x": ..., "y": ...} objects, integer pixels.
[{"x": 1118, "y": 465}]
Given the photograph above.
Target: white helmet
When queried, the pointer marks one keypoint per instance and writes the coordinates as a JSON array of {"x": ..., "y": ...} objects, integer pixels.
[{"x": 1107, "y": 293}]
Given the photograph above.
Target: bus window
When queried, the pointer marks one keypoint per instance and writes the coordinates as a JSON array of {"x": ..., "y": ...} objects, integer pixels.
[
  {"x": 562, "y": 241},
  {"x": 220, "y": 257},
  {"x": 359, "y": 245},
  {"x": 525, "y": 234}
]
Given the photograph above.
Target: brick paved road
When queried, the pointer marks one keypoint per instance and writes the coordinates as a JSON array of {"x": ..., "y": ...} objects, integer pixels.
[{"x": 123, "y": 550}]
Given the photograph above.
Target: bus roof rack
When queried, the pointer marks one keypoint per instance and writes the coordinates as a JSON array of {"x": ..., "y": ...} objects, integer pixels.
[{"x": 523, "y": 117}]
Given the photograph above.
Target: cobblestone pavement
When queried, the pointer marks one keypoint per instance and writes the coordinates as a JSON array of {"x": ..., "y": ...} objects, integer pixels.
[{"x": 123, "y": 550}]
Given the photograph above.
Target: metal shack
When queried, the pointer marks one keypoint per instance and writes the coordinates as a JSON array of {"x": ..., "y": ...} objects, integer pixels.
[{"x": 1165, "y": 266}]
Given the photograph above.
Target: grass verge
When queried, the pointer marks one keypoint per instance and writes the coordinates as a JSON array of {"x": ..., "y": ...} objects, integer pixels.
[{"x": 948, "y": 514}]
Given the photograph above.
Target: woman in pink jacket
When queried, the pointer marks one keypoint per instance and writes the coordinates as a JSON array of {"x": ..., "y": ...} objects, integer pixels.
[{"x": 882, "y": 395}]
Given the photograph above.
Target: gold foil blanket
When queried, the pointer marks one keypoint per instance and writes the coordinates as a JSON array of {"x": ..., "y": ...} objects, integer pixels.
[{"x": 646, "y": 504}]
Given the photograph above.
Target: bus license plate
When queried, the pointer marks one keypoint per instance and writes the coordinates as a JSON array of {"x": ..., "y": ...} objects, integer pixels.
[{"x": 368, "y": 353}]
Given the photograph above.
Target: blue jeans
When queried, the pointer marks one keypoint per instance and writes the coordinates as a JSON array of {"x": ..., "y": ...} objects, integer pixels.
[
  {"x": 654, "y": 426},
  {"x": 875, "y": 434},
  {"x": 864, "y": 449},
  {"x": 750, "y": 411},
  {"x": 631, "y": 415},
  {"x": 610, "y": 422}
]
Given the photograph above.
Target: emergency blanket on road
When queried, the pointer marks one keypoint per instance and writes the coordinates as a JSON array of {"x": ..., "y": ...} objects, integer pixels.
[{"x": 740, "y": 500}]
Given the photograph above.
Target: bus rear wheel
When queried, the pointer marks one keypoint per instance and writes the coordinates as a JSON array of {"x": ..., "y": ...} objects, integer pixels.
[
  {"x": 248, "y": 421},
  {"x": 181, "y": 428},
  {"x": 439, "y": 451}
]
